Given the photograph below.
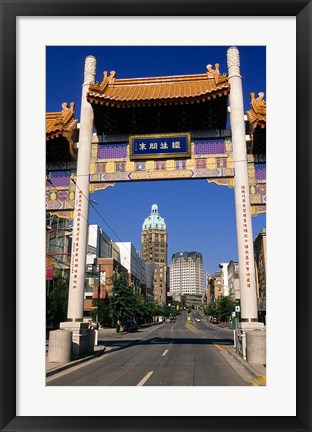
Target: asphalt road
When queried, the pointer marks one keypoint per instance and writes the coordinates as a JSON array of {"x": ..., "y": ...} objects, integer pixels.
[{"x": 170, "y": 354}]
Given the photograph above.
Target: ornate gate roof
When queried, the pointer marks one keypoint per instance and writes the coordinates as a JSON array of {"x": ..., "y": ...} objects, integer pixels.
[
  {"x": 160, "y": 104},
  {"x": 61, "y": 127}
]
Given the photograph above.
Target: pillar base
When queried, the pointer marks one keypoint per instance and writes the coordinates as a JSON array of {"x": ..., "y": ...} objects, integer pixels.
[
  {"x": 250, "y": 343},
  {"x": 80, "y": 338},
  {"x": 256, "y": 347},
  {"x": 60, "y": 344},
  {"x": 250, "y": 325}
]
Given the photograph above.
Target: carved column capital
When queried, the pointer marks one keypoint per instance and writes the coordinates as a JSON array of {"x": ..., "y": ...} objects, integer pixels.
[
  {"x": 89, "y": 70},
  {"x": 233, "y": 62}
]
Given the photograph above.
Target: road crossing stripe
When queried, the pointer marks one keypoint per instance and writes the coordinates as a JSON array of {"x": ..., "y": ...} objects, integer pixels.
[{"x": 143, "y": 381}]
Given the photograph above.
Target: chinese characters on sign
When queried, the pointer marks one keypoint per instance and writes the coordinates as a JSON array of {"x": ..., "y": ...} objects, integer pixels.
[
  {"x": 160, "y": 146},
  {"x": 74, "y": 268},
  {"x": 246, "y": 237}
]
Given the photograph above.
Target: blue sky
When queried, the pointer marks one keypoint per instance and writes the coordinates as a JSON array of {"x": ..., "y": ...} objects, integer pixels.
[{"x": 200, "y": 216}]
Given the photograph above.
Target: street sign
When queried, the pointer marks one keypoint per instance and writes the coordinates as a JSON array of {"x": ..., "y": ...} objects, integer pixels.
[
  {"x": 237, "y": 308},
  {"x": 162, "y": 146}
]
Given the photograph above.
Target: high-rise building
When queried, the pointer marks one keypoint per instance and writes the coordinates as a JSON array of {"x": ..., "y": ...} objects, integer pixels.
[
  {"x": 154, "y": 249},
  {"x": 187, "y": 273}
]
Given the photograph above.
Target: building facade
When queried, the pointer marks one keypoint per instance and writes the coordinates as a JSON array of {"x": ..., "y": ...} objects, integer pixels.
[
  {"x": 100, "y": 245},
  {"x": 58, "y": 246},
  {"x": 217, "y": 287},
  {"x": 210, "y": 288},
  {"x": 154, "y": 249},
  {"x": 260, "y": 265},
  {"x": 132, "y": 260},
  {"x": 102, "y": 261},
  {"x": 107, "y": 268},
  {"x": 233, "y": 278},
  {"x": 224, "y": 278},
  {"x": 149, "y": 272},
  {"x": 187, "y": 273}
]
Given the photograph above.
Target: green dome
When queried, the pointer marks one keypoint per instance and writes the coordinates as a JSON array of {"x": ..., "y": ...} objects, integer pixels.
[{"x": 154, "y": 221}]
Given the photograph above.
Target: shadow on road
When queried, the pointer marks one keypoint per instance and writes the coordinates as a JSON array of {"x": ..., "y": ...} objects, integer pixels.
[{"x": 123, "y": 344}]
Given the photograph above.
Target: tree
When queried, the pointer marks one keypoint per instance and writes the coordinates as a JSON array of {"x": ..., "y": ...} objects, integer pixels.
[
  {"x": 149, "y": 310},
  {"x": 225, "y": 306},
  {"x": 211, "y": 309},
  {"x": 166, "y": 311},
  {"x": 123, "y": 304},
  {"x": 221, "y": 308},
  {"x": 102, "y": 311},
  {"x": 140, "y": 308},
  {"x": 57, "y": 301}
]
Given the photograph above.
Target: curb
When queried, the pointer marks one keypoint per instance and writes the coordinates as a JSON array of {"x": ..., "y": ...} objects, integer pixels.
[
  {"x": 261, "y": 379},
  {"x": 73, "y": 363}
]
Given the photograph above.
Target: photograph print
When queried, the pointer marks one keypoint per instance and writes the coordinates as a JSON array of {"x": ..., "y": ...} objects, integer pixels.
[{"x": 156, "y": 216}]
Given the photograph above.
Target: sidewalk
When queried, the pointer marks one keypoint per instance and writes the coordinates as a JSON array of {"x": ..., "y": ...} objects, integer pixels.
[
  {"x": 257, "y": 371},
  {"x": 53, "y": 368}
]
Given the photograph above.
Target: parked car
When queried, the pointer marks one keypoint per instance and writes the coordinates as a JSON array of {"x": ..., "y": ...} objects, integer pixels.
[{"x": 130, "y": 326}]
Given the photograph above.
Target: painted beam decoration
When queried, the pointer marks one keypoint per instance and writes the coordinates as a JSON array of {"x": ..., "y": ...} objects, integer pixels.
[
  {"x": 165, "y": 146},
  {"x": 111, "y": 162},
  {"x": 210, "y": 159},
  {"x": 60, "y": 188}
]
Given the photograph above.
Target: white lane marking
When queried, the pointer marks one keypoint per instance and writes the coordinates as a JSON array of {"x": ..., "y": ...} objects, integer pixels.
[
  {"x": 164, "y": 353},
  {"x": 173, "y": 327},
  {"x": 143, "y": 381}
]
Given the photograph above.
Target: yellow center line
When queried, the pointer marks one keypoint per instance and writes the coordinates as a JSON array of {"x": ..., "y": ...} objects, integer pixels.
[
  {"x": 261, "y": 379},
  {"x": 218, "y": 346}
]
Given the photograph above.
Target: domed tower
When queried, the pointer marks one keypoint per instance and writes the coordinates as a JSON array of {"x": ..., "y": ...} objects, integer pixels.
[{"x": 154, "y": 250}]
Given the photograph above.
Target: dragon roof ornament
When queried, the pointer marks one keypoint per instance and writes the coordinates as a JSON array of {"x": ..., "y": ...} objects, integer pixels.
[
  {"x": 62, "y": 123},
  {"x": 257, "y": 114}
]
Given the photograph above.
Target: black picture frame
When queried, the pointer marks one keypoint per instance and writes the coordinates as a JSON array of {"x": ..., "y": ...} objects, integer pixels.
[{"x": 9, "y": 11}]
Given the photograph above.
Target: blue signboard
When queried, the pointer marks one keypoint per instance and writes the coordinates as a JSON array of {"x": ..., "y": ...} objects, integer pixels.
[{"x": 163, "y": 146}]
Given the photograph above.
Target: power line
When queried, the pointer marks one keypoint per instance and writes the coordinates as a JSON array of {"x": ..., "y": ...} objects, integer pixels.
[{"x": 92, "y": 205}]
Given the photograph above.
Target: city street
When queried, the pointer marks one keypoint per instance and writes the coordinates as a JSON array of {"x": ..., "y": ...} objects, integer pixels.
[{"x": 169, "y": 354}]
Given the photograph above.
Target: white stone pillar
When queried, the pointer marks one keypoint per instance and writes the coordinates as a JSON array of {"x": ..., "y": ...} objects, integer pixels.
[
  {"x": 81, "y": 212},
  {"x": 249, "y": 312}
]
